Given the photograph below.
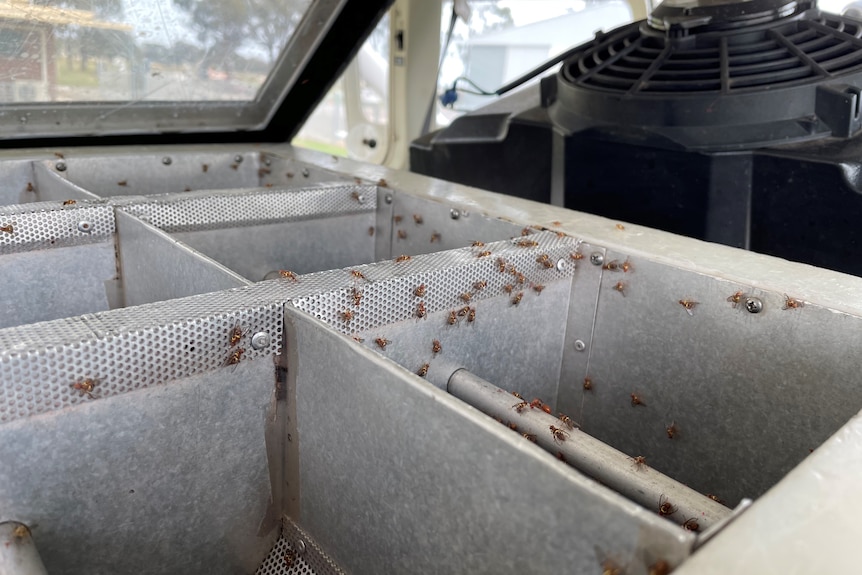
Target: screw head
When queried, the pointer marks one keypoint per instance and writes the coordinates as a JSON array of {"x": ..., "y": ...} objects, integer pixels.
[
  {"x": 167, "y": 161},
  {"x": 387, "y": 198},
  {"x": 753, "y": 305},
  {"x": 267, "y": 162},
  {"x": 305, "y": 172},
  {"x": 560, "y": 264},
  {"x": 300, "y": 546},
  {"x": 597, "y": 259},
  {"x": 85, "y": 227},
  {"x": 454, "y": 213},
  {"x": 238, "y": 158},
  {"x": 60, "y": 166},
  {"x": 580, "y": 345},
  {"x": 360, "y": 199},
  {"x": 260, "y": 340}
]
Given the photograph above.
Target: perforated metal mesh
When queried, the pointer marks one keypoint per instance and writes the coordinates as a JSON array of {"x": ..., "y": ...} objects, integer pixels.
[
  {"x": 127, "y": 349},
  {"x": 295, "y": 553},
  {"x": 388, "y": 294},
  {"x": 51, "y": 224},
  {"x": 210, "y": 210}
]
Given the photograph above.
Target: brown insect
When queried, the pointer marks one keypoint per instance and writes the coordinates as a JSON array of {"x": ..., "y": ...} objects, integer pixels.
[
  {"x": 417, "y": 219},
  {"x": 691, "y": 525},
  {"x": 508, "y": 288},
  {"x": 671, "y": 430},
  {"x": 402, "y": 258},
  {"x": 526, "y": 232},
  {"x": 576, "y": 255},
  {"x": 526, "y": 243},
  {"x": 689, "y": 305},
  {"x": 123, "y": 183},
  {"x": 421, "y": 311},
  {"x": 715, "y": 498},
  {"x": 517, "y": 299},
  {"x": 640, "y": 462},
  {"x": 346, "y": 315},
  {"x": 520, "y": 406},
  {"x": 205, "y": 168},
  {"x": 518, "y": 395},
  {"x": 30, "y": 187},
  {"x": 464, "y": 311},
  {"x": 561, "y": 457},
  {"x": 355, "y": 196},
  {"x": 530, "y": 437},
  {"x": 436, "y": 347},
  {"x": 235, "y": 356},
  {"x": 483, "y": 254},
  {"x": 480, "y": 285},
  {"x": 558, "y": 434},
  {"x": 435, "y": 237},
  {"x": 626, "y": 266},
  {"x": 477, "y": 244},
  {"x": 358, "y": 339},
  {"x": 665, "y": 508},
  {"x": 382, "y": 342},
  {"x": 423, "y": 371},
  {"x": 85, "y": 386},
  {"x": 419, "y": 291},
  {"x": 735, "y": 298},
  {"x": 612, "y": 266},
  {"x": 567, "y": 421},
  {"x": 382, "y": 183},
  {"x": 545, "y": 260},
  {"x": 397, "y": 218},
  {"x": 290, "y": 558},
  {"x": 519, "y": 277},
  {"x": 501, "y": 265},
  {"x": 660, "y": 567},
  {"x": 357, "y": 297},
  {"x": 471, "y": 317},
  {"x": 620, "y": 287},
  {"x": 358, "y": 275},
  {"x": 69, "y": 202},
  {"x": 234, "y": 166},
  {"x": 588, "y": 384},
  {"x": 538, "y": 404},
  {"x": 59, "y": 155},
  {"x": 7, "y": 228},
  {"x": 289, "y": 175},
  {"x": 20, "y": 532},
  {"x": 371, "y": 231},
  {"x": 538, "y": 288},
  {"x": 465, "y": 297},
  {"x": 288, "y": 275},
  {"x": 620, "y": 227},
  {"x": 453, "y": 318},
  {"x": 187, "y": 189},
  {"x": 513, "y": 427},
  {"x": 637, "y": 400},
  {"x": 235, "y": 335},
  {"x": 791, "y": 303},
  {"x": 402, "y": 235},
  {"x": 262, "y": 172}
]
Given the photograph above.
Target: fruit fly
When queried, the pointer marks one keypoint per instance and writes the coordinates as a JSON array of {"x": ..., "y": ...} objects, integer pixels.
[
  {"x": 689, "y": 305},
  {"x": 567, "y": 421},
  {"x": 123, "y": 183},
  {"x": 287, "y": 274},
  {"x": 263, "y": 172},
  {"x": 483, "y": 254},
  {"x": 30, "y": 187},
  {"x": 402, "y": 235},
  {"x": 464, "y": 311},
  {"x": 423, "y": 371},
  {"x": 513, "y": 427},
  {"x": 538, "y": 288},
  {"x": 791, "y": 303},
  {"x": 235, "y": 335},
  {"x": 520, "y": 278},
  {"x": 290, "y": 558},
  {"x": 85, "y": 386},
  {"x": 735, "y": 298},
  {"x": 620, "y": 287},
  {"x": 715, "y": 498},
  {"x": 501, "y": 265},
  {"x": 665, "y": 508},
  {"x": 235, "y": 356},
  {"x": 421, "y": 311},
  {"x": 576, "y": 255},
  {"x": 465, "y": 297},
  {"x": 69, "y": 202},
  {"x": 637, "y": 400},
  {"x": 640, "y": 462},
  {"x": 518, "y": 395},
  {"x": 480, "y": 285},
  {"x": 371, "y": 231},
  {"x": 419, "y": 291},
  {"x": 7, "y": 228},
  {"x": 402, "y": 258},
  {"x": 508, "y": 288},
  {"x": 20, "y": 532},
  {"x": 435, "y": 237},
  {"x": 289, "y": 175},
  {"x": 397, "y": 218},
  {"x": 357, "y": 297},
  {"x": 346, "y": 316},
  {"x": 358, "y": 275},
  {"x": 558, "y": 434},
  {"x": 382, "y": 183},
  {"x": 436, "y": 347},
  {"x": 530, "y": 437},
  {"x": 626, "y": 266},
  {"x": 477, "y": 244},
  {"x": 691, "y": 525},
  {"x": 382, "y": 342},
  {"x": 417, "y": 219},
  {"x": 205, "y": 168},
  {"x": 453, "y": 318},
  {"x": 471, "y": 317},
  {"x": 671, "y": 430},
  {"x": 526, "y": 232},
  {"x": 545, "y": 261},
  {"x": 517, "y": 299},
  {"x": 526, "y": 243},
  {"x": 620, "y": 227},
  {"x": 588, "y": 384},
  {"x": 612, "y": 266},
  {"x": 520, "y": 406}
]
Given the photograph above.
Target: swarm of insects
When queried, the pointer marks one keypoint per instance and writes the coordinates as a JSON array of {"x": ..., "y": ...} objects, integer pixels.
[
  {"x": 85, "y": 386},
  {"x": 620, "y": 287},
  {"x": 588, "y": 384},
  {"x": 688, "y": 305},
  {"x": 640, "y": 462},
  {"x": 417, "y": 219},
  {"x": 665, "y": 508},
  {"x": 423, "y": 371},
  {"x": 421, "y": 311},
  {"x": 382, "y": 342},
  {"x": 637, "y": 400},
  {"x": 287, "y": 274},
  {"x": 671, "y": 430},
  {"x": 419, "y": 291},
  {"x": 517, "y": 299},
  {"x": 436, "y": 347},
  {"x": 558, "y": 434},
  {"x": 235, "y": 356},
  {"x": 791, "y": 303}
]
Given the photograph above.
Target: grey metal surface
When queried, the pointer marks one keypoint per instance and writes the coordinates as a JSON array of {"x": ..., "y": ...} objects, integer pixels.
[
  {"x": 47, "y": 284},
  {"x": 155, "y": 267},
  {"x": 50, "y": 224},
  {"x": 749, "y": 394},
  {"x": 422, "y": 483},
  {"x": 50, "y": 186},
  {"x": 169, "y": 479},
  {"x": 127, "y": 349},
  {"x": 610, "y": 467},
  {"x": 15, "y": 176},
  {"x": 18, "y": 553},
  {"x": 296, "y": 553}
]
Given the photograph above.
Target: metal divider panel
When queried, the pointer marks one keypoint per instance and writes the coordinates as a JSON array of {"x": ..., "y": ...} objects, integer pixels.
[
  {"x": 296, "y": 553},
  {"x": 46, "y": 225}
]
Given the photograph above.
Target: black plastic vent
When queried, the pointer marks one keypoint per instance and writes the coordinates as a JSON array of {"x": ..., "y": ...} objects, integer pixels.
[{"x": 638, "y": 59}]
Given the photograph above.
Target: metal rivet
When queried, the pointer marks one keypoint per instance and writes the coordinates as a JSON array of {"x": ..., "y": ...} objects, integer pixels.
[
  {"x": 167, "y": 161},
  {"x": 300, "y": 546},
  {"x": 237, "y": 159},
  {"x": 580, "y": 345},
  {"x": 454, "y": 214},
  {"x": 388, "y": 198},
  {"x": 267, "y": 162},
  {"x": 360, "y": 198},
  {"x": 753, "y": 305},
  {"x": 85, "y": 227},
  {"x": 260, "y": 340},
  {"x": 597, "y": 259},
  {"x": 60, "y": 166},
  {"x": 305, "y": 172},
  {"x": 560, "y": 264}
]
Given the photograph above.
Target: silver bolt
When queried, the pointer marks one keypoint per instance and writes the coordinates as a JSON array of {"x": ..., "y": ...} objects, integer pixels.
[
  {"x": 167, "y": 160},
  {"x": 237, "y": 159},
  {"x": 300, "y": 547},
  {"x": 560, "y": 264},
  {"x": 753, "y": 305},
  {"x": 260, "y": 340},
  {"x": 267, "y": 162},
  {"x": 580, "y": 345},
  {"x": 454, "y": 214},
  {"x": 60, "y": 166},
  {"x": 597, "y": 259},
  {"x": 85, "y": 227},
  {"x": 305, "y": 172},
  {"x": 360, "y": 198},
  {"x": 387, "y": 198}
]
